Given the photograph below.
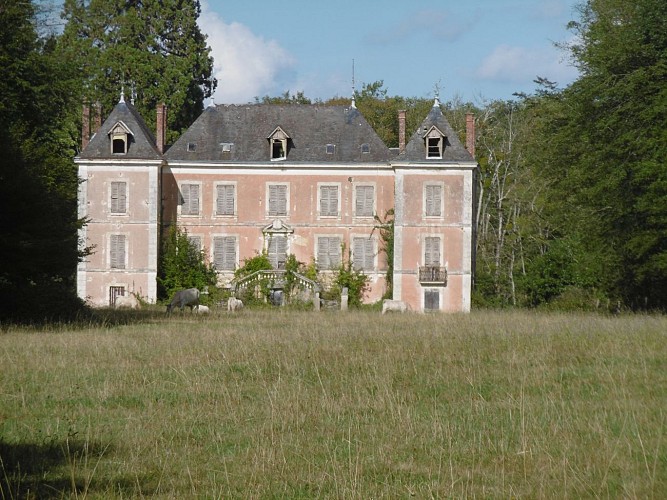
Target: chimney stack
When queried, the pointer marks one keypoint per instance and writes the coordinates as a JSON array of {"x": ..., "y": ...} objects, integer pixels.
[
  {"x": 401, "y": 130},
  {"x": 97, "y": 120},
  {"x": 161, "y": 127},
  {"x": 470, "y": 133},
  {"x": 85, "y": 127}
]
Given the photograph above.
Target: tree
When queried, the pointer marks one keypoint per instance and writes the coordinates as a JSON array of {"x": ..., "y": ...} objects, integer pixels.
[
  {"x": 153, "y": 49},
  {"x": 183, "y": 265},
  {"x": 605, "y": 160},
  {"x": 38, "y": 179}
]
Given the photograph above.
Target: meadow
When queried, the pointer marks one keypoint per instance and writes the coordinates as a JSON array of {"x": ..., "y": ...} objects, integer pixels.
[{"x": 278, "y": 404}]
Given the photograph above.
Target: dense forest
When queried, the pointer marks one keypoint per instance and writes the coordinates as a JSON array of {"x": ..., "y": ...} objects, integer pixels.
[{"x": 571, "y": 199}]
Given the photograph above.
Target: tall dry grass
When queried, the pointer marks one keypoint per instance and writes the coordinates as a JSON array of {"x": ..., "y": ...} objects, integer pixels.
[{"x": 271, "y": 404}]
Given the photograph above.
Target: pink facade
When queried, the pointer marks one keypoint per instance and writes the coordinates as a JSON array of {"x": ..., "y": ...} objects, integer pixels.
[{"x": 301, "y": 180}]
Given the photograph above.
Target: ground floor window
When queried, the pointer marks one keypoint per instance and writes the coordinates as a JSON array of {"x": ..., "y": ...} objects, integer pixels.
[
  {"x": 431, "y": 300},
  {"x": 114, "y": 292}
]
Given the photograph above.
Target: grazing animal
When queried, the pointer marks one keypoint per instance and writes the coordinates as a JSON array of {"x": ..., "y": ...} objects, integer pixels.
[
  {"x": 130, "y": 301},
  {"x": 394, "y": 305},
  {"x": 182, "y": 298},
  {"x": 203, "y": 309},
  {"x": 234, "y": 304}
]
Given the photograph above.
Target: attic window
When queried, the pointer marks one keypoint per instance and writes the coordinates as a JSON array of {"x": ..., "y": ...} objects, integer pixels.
[
  {"x": 330, "y": 149},
  {"x": 278, "y": 143},
  {"x": 226, "y": 147},
  {"x": 365, "y": 148},
  {"x": 435, "y": 143},
  {"x": 192, "y": 147},
  {"x": 120, "y": 138}
]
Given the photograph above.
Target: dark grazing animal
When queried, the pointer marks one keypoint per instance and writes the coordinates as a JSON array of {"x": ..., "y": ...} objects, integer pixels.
[{"x": 182, "y": 298}]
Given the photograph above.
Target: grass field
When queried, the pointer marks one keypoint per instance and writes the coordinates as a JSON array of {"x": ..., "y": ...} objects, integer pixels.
[{"x": 270, "y": 404}]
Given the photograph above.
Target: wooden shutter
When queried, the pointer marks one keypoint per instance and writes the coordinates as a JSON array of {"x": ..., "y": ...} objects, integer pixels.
[
  {"x": 328, "y": 201},
  {"x": 118, "y": 197},
  {"x": 431, "y": 300},
  {"x": 431, "y": 251},
  {"x": 225, "y": 200},
  {"x": 277, "y": 199},
  {"x": 224, "y": 253},
  {"x": 362, "y": 254},
  {"x": 117, "y": 251},
  {"x": 433, "y": 200},
  {"x": 277, "y": 251},
  {"x": 364, "y": 201},
  {"x": 190, "y": 193},
  {"x": 328, "y": 252}
]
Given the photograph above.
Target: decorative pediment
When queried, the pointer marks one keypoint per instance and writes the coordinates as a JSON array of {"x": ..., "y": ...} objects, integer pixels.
[{"x": 277, "y": 227}]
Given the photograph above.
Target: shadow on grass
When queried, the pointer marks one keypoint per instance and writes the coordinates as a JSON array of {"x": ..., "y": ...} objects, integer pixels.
[{"x": 59, "y": 470}]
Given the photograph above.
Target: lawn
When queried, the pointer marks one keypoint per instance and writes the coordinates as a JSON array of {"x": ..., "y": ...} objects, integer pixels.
[{"x": 277, "y": 404}]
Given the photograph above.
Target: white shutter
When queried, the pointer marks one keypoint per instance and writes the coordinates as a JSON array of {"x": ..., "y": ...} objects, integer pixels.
[
  {"x": 224, "y": 253},
  {"x": 118, "y": 197},
  {"x": 190, "y": 193},
  {"x": 362, "y": 254},
  {"x": 277, "y": 199},
  {"x": 117, "y": 251},
  {"x": 277, "y": 251},
  {"x": 433, "y": 200},
  {"x": 364, "y": 201},
  {"x": 328, "y": 201},
  {"x": 225, "y": 200},
  {"x": 431, "y": 251}
]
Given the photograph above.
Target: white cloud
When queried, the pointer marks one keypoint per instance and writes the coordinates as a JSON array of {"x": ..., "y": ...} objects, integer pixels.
[
  {"x": 245, "y": 65},
  {"x": 520, "y": 65}
]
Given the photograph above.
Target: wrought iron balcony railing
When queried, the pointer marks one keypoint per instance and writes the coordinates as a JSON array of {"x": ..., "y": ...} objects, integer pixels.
[{"x": 433, "y": 275}]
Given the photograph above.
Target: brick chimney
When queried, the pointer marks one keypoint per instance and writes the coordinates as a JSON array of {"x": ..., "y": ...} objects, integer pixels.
[
  {"x": 97, "y": 120},
  {"x": 470, "y": 133},
  {"x": 401, "y": 130},
  {"x": 161, "y": 127},
  {"x": 85, "y": 127}
]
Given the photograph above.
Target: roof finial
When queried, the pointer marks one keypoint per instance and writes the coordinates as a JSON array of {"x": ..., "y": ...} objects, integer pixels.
[
  {"x": 354, "y": 104},
  {"x": 133, "y": 94},
  {"x": 436, "y": 101},
  {"x": 122, "y": 94}
]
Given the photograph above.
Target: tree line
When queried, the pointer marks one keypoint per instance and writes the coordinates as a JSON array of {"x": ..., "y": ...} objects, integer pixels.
[{"x": 571, "y": 196}]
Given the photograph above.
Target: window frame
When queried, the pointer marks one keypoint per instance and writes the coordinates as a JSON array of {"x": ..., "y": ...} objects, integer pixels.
[
  {"x": 118, "y": 212},
  {"x": 275, "y": 237},
  {"x": 335, "y": 239},
  {"x": 325, "y": 187},
  {"x": 117, "y": 242},
  {"x": 216, "y": 203},
  {"x": 181, "y": 206},
  {"x": 369, "y": 253},
  {"x": 429, "y": 207},
  {"x": 226, "y": 265},
  {"x": 427, "y": 250},
  {"x": 276, "y": 213},
  {"x": 363, "y": 186}
]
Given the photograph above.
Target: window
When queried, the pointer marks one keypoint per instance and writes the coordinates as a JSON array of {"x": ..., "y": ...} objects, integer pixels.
[
  {"x": 431, "y": 300},
  {"x": 433, "y": 200},
  {"x": 277, "y": 199},
  {"x": 224, "y": 253},
  {"x": 120, "y": 138},
  {"x": 117, "y": 251},
  {"x": 363, "y": 254},
  {"x": 195, "y": 241},
  {"x": 115, "y": 292},
  {"x": 328, "y": 252},
  {"x": 331, "y": 148},
  {"x": 118, "y": 204},
  {"x": 225, "y": 200},
  {"x": 190, "y": 197},
  {"x": 432, "y": 251},
  {"x": 364, "y": 201},
  {"x": 277, "y": 250},
  {"x": 365, "y": 149},
  {"x": 192, "y": 147},
  {"x": 328, "y": 201},
  {"x": 278, "y": 141},
  {"x": 435, "y": 143}
]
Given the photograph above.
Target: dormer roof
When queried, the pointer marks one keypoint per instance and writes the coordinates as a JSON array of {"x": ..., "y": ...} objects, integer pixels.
[
  {"x": 435, "y": 124},
  {"x": 239, "y": 133},
  {"x": 124, "y": 118}
]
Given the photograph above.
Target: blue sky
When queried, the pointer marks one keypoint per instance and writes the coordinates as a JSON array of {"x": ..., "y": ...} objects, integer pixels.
[{"x": 477, "y": 50}]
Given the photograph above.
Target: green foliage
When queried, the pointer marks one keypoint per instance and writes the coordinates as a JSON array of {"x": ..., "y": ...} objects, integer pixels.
[
  {"x": 385, "y": 226},
  {"x": 183, "y": 265},
  {"x": 259, "y": 293},
  {"x": 38, "y": 179},
  {"x": 354, "y": 280},
  {"x": 285, "y": 98},
  {"x": 153, "y": 49}
]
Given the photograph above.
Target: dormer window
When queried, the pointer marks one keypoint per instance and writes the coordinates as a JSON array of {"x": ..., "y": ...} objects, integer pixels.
[
  {"x": 435, "y": 143},
  {"x": 278, "y": 143},
  {"x": 120, "y": 138}
]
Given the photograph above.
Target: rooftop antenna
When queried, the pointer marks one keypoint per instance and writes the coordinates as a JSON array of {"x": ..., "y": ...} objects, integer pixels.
[{"x": 354, "y": 104}]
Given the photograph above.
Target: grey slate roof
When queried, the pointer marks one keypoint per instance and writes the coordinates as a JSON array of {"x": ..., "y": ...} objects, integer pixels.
[
  {"x": 142, "y": 142},
  {"x": 310, "y": 128},
  {"x": 415, "y": 150}
]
